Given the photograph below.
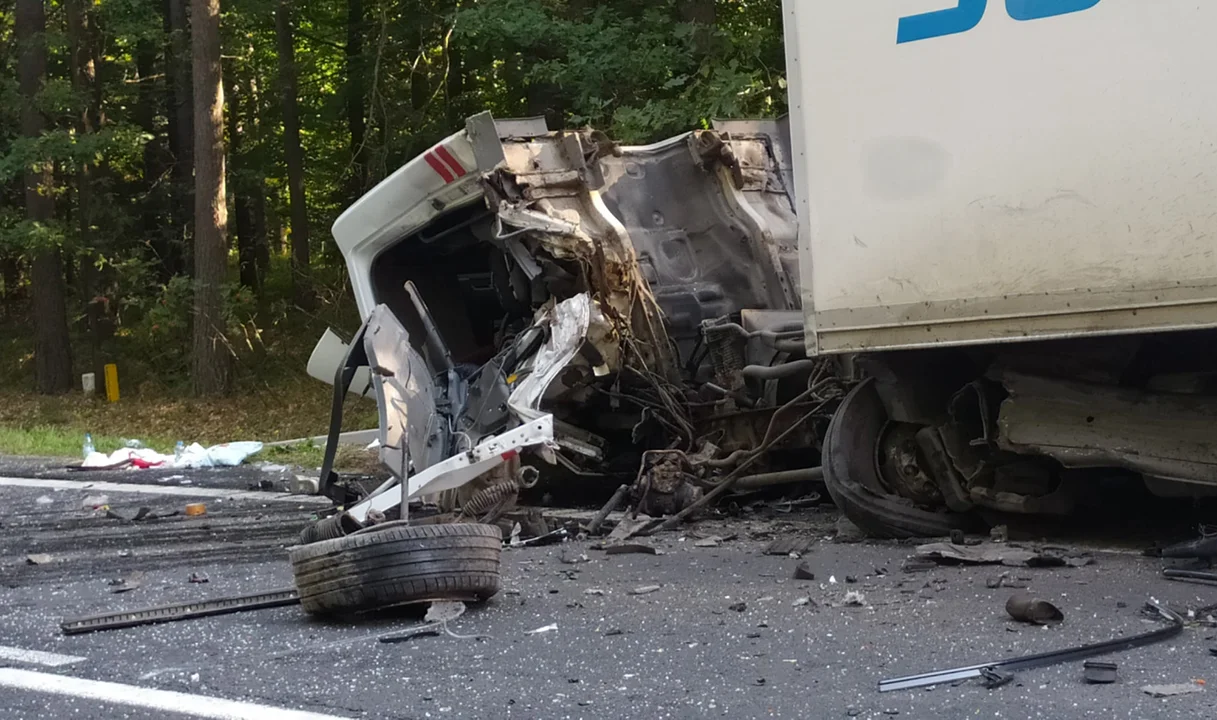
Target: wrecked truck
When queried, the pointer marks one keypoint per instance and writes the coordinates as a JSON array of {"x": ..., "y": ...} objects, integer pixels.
[
  {"x": 645, "y": 298},
  {"x": 549, "y": 310},
  {"x": 967, "y": 290}
]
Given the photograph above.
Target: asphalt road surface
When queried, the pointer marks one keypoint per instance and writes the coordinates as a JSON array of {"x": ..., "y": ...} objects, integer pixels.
[{"x": 728, "y": 634}]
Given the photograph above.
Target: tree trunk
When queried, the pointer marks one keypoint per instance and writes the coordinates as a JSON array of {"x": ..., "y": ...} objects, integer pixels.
[
  {"x": 355, "y": 99},
  {"x": 10, "y": 275},
  {"x": 52, "y": 346},
  {"x": 294, "y": 154},
  {"x": 210, "y": 352},
  {"x": 260, "y": 230},
  {"x": 241, "y": 182},
  {"x": 84, "y": 81},
  {"x": 253, "y": 114},
  {"x": 455, "y": 84},
  {"x": 181, "y": 128},
  {"x": 155, "y": 219}
]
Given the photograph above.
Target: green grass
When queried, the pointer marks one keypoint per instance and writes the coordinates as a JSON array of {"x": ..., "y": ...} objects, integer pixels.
[
  {"x": 64, "y": 442},
  {"x": 303, "y": 454}
]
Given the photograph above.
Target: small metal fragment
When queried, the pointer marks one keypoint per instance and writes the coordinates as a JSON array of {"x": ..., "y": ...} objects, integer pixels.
[
  {"x": 992, "y": 679},
  {"x": 1097, "y": 671},
  {"x": 787, "y": 545},
  {"x": 1025, "y": 608},
  {"x": 630, "y": 549},
  {"x": 802, "y": 572},
  {"x": 1161, "y": 691},
  {"x": 644, "y": 590}
]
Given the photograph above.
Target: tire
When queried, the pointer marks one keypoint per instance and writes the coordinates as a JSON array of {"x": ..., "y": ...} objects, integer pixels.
[
  {"x": 853, "y": 479},
  {"x": 396, "y": 565}
]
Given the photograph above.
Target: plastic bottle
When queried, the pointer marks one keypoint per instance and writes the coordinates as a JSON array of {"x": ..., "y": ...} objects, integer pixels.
[
  {"x": 178, "y": 451},
  {"x": 88, "y": 448}
]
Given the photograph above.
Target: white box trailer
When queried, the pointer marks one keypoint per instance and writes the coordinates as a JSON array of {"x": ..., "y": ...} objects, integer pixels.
[
  {"x": 1003, "y": 170},
  {"x": 987, "y": 175}
]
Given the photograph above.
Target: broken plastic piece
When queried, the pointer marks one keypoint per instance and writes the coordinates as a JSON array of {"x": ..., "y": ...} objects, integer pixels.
[{"x": 1043, "y": 659}]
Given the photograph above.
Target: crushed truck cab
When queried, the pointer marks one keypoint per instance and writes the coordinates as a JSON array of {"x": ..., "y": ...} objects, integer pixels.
[{"x": 645, "y": 297}]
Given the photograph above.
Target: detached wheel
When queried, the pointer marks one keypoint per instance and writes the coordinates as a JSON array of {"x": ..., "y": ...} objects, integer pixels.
[
  {"x": 398, "y": 564},
  {"x": 852, "y": 474}
]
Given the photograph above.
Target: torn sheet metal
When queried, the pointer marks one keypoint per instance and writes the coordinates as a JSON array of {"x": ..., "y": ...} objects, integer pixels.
[
  {"x": 410, "y": 430},
  {"x": 988, "y": 554},
  {"x": 1160, "y": 435},
  {"x": 568, "y": 324}
]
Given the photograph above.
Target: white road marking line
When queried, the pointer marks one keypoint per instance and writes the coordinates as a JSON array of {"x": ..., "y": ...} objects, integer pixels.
[
  {"x": 164, "y": 700},
  {"x": 184, "y": 490},
  {"x": 37, "y": 657}
]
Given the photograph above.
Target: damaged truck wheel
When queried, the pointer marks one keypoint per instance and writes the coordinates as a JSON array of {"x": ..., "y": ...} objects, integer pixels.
[
  {"x": 396, "y": 564},
  {"x": 853, "y": 478}
]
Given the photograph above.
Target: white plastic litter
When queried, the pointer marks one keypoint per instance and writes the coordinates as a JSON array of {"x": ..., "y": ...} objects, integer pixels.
[
  {"x": 122, "y": 455},
  {"x": 194, "y": 456},
  {"x": 225, "y": 455}
]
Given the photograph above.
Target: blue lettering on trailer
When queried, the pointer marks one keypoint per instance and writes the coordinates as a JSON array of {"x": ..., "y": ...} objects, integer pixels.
[
  {"x": 967, "y": 14},
  {"x": 1036, "y": 9},
  {"x": 961, "y": 18}
]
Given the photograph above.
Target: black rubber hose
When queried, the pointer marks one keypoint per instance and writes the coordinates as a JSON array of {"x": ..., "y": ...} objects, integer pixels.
[{"x": 777, "y": 372}]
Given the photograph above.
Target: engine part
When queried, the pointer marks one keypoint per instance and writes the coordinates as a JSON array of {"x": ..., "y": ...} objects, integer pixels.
[
  {"x": 1054, "y": 657},
  {"x": 726, "y": 352},
  {"x": 662, "y": 486}
]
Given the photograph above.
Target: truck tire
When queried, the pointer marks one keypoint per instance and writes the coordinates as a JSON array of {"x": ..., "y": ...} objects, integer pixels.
[
  {"x": 396, "y": 564},
  {"x": 853, "y": 479}
]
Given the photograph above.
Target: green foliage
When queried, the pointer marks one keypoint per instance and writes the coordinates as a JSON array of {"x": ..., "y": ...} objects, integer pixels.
[
  {"x": 638, "y": 69},
  {"x": 633, "y": 69}
]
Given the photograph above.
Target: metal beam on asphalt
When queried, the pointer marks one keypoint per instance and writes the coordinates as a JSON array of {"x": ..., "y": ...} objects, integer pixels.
[
  {"x": 179, "y": 490},
  {"x": 166, "y": 701}
]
